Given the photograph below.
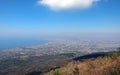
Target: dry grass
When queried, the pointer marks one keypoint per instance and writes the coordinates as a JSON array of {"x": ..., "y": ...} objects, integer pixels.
[{"x": 100, "y": 66}]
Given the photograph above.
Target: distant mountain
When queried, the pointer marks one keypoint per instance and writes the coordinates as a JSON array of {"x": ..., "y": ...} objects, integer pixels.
[{"x": 92, "y": 55}]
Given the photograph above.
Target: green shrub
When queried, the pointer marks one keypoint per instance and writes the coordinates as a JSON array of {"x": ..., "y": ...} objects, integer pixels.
[
  {"x": 56, "y": 73},
  {"x": 76, "y": 71},
  {"x": 118, "y": 49},
  {"x": 114, "y": 71}
]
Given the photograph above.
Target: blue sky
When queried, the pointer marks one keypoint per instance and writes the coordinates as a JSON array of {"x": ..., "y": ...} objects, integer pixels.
[{"x": 38, "y": 17}]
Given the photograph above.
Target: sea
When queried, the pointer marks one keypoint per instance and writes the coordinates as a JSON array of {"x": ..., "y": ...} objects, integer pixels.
[{"x": 8, "y": 43}]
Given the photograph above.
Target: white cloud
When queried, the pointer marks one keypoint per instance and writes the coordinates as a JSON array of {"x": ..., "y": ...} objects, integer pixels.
[{"x": 67, "y": 4}]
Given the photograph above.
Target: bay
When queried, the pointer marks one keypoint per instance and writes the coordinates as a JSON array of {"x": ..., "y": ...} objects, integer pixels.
[{"x": 8, "y": 43}]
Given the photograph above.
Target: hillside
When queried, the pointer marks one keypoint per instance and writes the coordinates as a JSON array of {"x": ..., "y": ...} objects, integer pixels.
[
  {"x": 22, "y": 65},
  {"x": 107, "y": 65}
]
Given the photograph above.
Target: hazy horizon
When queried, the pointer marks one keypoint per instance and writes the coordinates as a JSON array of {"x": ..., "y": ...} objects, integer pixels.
[{"x": 39, "y": 18}]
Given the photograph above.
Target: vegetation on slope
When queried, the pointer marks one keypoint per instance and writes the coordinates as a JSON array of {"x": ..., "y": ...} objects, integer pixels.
[
  {"x": 108, "y": 65},
  {"x": 33, "y": 65}
]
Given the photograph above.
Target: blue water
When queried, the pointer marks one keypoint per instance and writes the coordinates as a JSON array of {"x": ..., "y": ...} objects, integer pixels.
[{"x": 7, "y": 43}]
